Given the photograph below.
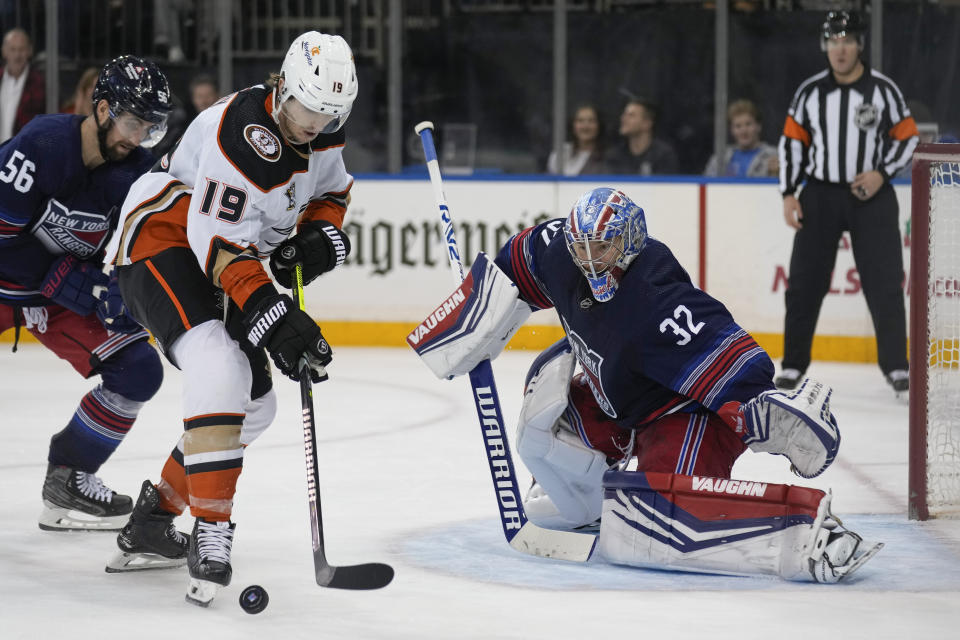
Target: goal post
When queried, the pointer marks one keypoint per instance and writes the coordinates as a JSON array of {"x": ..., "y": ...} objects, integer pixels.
[{"x": 934, "y": 457}]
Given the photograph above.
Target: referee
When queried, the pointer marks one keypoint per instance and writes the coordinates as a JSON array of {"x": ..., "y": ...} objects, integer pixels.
[{"x": 848, "y": 131}]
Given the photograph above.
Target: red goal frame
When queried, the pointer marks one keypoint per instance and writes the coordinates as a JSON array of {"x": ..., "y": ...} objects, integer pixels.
[{"x": 924, "y": 155}]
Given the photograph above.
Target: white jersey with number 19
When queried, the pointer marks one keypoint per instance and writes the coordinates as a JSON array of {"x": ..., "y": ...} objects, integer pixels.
[{"x": 232, "y": 190}]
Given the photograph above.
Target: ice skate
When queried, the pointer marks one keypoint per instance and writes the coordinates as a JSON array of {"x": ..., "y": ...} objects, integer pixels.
[
  {"x": 899, "y": 379},
  {"x": 74, "y": 500},
  {"x": 209, "y": 560},
  {"x": 837, "y": 552},
  {"x": 149, "y": 540}
]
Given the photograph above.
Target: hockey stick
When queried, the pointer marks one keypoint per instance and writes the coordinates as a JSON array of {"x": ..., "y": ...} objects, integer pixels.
[
  {"x": 521, "y": 534},
  {"x": 372, "y": 575}
]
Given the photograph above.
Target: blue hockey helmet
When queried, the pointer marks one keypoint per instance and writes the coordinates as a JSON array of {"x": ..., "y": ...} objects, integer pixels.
[
  {"x": 133, "y": 85},
  {"x": 604, "y": 232}
]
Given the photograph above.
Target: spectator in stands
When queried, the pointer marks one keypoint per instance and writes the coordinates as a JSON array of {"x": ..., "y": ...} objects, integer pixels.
[
  {"x": 22, "y": 89},
  {"x": 583, "y": 152},
  {"x": 749, "y": 156},
  {"x": 81, "y": 102},
  {"x": 640, "y": 152},
  {"x": 203, "y": 91},
  {"x": 168, "y": 16}
]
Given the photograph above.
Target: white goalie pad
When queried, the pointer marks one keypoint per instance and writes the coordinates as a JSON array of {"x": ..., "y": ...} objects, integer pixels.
[
  {"x": 569, "y": 475},
  {"x": 473, "y": 324},
  {"x": 716, "y": 525},
  {"x": 797, "y": 424}
]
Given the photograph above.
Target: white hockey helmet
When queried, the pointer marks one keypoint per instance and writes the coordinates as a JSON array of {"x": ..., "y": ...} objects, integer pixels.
[{"x": 318, "y": 71}]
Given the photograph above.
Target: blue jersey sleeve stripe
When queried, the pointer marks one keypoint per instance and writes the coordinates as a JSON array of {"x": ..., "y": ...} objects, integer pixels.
[
  {"x": 711, "y": 366},
  {"x": 10, "y": 223},
  {"x": 523, "y": 276},
  {"x": 732, "y": 376},
  {"x": 719, "y": 365}
]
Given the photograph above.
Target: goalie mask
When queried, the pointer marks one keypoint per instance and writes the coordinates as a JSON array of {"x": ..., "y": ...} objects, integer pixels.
[
  {"x": 605, "y": 231},
  {"x": 318, "y": 71}
]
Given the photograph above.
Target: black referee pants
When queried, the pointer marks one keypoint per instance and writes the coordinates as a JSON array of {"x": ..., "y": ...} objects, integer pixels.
[{"x": 828, "y": 211}]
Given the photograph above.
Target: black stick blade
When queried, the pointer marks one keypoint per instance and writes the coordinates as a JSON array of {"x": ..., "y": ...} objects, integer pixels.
[{"x": 363, "y": 577}]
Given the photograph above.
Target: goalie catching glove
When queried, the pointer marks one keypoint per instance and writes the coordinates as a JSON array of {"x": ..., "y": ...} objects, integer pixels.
[
  {"x": 797, "y": 424},
  {"x": 319, "y": 246},
  {"x": 288, "y": 334}
]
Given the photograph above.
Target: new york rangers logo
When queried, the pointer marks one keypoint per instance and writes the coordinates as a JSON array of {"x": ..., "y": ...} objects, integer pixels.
[
  {"x": 62, "y": 230},
  {"x": 592, "y": 362}
]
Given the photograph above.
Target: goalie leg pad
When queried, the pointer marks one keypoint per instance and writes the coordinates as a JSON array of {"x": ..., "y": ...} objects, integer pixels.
[
  {"x": 473, "y": 324},
  {"x": 797, "y": 424},
  {"x": 713, "y": 525},
  {"x": 568, "y": 489}
]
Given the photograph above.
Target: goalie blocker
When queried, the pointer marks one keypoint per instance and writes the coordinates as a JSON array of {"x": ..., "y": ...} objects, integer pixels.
[
  {"x": 715, "y": 525},
  {"x": 473, "y": 324}
]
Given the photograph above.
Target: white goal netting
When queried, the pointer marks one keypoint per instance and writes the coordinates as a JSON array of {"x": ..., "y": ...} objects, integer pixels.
[{"x": 943, "y": 341}]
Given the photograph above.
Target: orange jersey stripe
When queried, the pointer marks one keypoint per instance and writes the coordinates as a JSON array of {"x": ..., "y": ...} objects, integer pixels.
[
  {"x": 211, "y": 493},
  {"x": 324, "y": 210},
  {"x": 906, "y": 128},
  {"x": 241, "y": 278},
  {"x": 793, "y": 130},
  {"x": 170, "y": 294},
  {"x": 162, "y": 230}
]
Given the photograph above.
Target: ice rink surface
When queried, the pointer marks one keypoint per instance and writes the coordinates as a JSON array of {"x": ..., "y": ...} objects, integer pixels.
[{"x": 404, "y": 481}]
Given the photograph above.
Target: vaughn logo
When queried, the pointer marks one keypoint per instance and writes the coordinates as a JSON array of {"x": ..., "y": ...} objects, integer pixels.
[
  {"x": 732, "y": 487},
  {"x": 263, "y": 141},
  {"x": 446, "y": 309},
  {"x": 62, "y": 230}
]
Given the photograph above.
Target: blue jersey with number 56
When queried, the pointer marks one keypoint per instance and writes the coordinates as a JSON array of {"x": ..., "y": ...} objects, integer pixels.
[
  {"x": 51, "y": 204},
  {"x": 660, "y": 345}
]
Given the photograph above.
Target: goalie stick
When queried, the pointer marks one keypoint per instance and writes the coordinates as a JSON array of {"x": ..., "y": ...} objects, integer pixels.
[
  {"x": 373, "y": 575},
  {"x": 521, "y": 534}
]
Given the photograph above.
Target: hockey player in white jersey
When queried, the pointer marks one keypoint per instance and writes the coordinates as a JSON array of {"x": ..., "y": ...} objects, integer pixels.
[{"x": 249, "y": 171}]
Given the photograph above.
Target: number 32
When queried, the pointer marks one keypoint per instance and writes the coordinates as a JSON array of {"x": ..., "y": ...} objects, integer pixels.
[{"x": 684, "y": 335}]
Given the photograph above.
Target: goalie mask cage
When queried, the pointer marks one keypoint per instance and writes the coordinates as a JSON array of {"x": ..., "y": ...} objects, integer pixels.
[{"x": 934, "y": 490}]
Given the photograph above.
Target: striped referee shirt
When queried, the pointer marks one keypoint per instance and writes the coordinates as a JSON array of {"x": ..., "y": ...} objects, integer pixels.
[{"x": 834, "y": 132}]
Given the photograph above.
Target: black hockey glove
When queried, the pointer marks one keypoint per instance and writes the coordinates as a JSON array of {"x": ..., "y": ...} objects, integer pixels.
[
  {"x": 319, "y": 246},
  {"x": 288, "y": 334}
]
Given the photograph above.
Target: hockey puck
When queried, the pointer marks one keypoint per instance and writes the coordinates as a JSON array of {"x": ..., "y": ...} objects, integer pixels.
[{"x": 254, "y": 599}]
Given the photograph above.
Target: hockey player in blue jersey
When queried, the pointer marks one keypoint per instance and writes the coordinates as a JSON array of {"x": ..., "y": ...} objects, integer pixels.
[
  {"x": 62, "y": 181},
  {"x": 666, "y": 378}
]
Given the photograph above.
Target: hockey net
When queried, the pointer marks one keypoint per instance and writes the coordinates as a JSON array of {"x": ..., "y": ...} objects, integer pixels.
[{"x": 934, "y": 490}]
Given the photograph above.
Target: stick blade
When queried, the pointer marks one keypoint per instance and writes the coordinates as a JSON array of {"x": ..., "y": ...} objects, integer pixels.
[
  {"x": 560, "y": 545},
  {"x": 358, "y": 577}
]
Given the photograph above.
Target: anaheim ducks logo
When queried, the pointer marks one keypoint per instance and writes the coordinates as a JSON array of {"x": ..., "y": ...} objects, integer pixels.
[
  {"x": 263, "y": 141},
  {"x": 866, "y": 116}
]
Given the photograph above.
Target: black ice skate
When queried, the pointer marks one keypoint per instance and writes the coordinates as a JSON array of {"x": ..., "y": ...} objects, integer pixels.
[
  {"x": 209, "y": 560},
  {"x": 77, "y": 501},
  {"x": 149, "y": 540}
]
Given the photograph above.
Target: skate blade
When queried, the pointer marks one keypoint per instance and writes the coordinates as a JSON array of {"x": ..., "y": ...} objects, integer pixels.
[
  {"x": 54, "y": 518},
  {"x": 123, "y": 562},
  {"x": 202, "y": 592},
  {"x": 861, "y": 559}
]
